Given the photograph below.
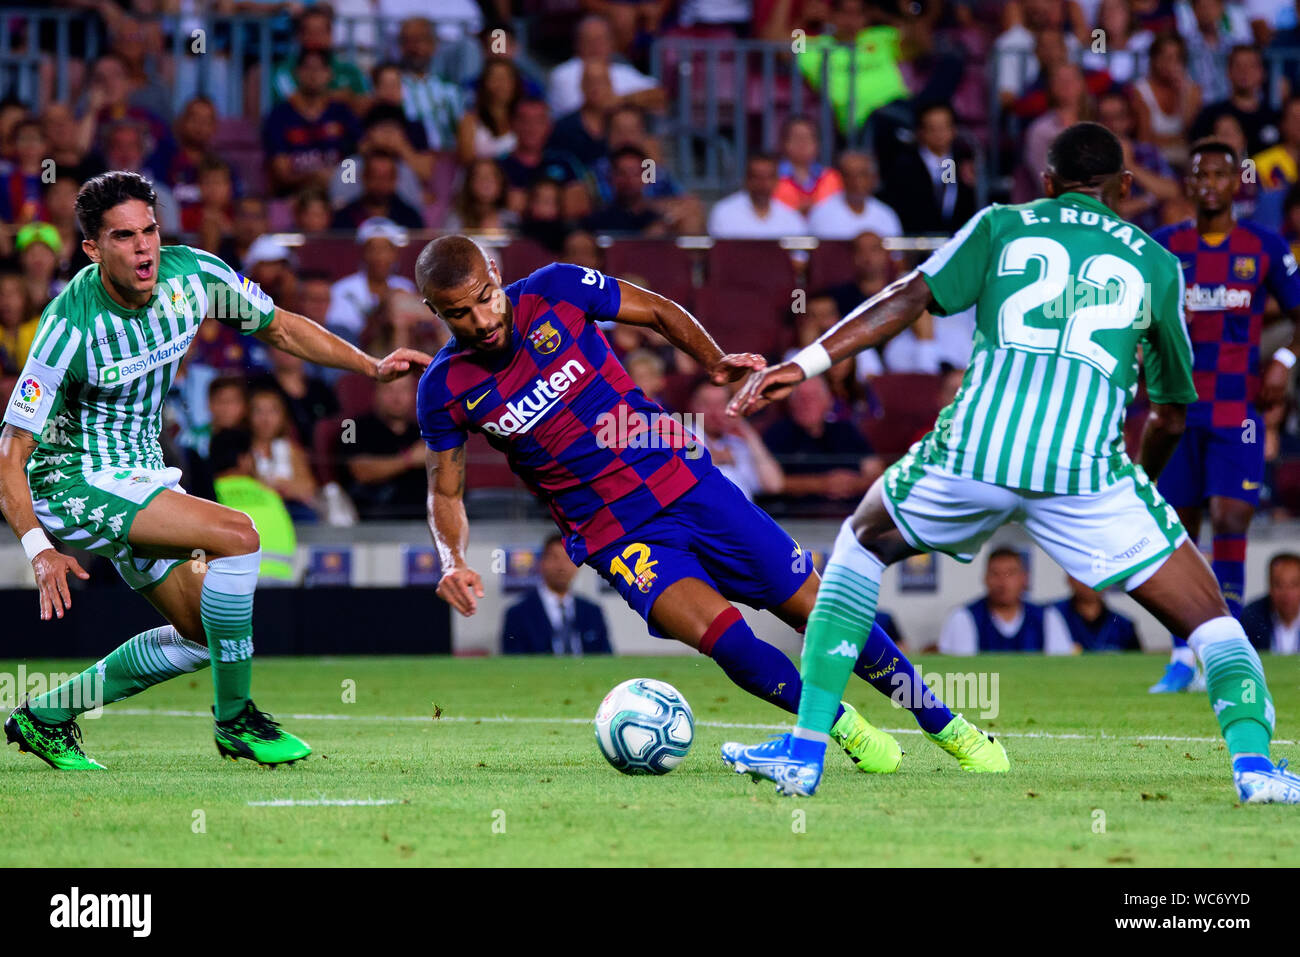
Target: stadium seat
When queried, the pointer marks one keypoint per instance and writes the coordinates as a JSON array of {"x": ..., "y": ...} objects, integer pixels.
[
  {"x": 742, "y": 320},
  {"x": 336, "y": 255},
  {"x": 325, "y": 449},
  {"x": 830, "y": 264},
  {"x": 355, "y": 393},
  {"x": 660, "y": 265},
  {"x": 751, "y": 264},
  {"x": 909, "y": 403},
  {"x": 522, "y": 257},
  {"x": 1286, "y": 484},
  {"x": 485, "y": 467}
]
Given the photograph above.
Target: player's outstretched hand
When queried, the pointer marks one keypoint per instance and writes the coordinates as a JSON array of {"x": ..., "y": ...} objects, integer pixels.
[
  {"x": 1272, "y": 385},
  {"x": 52, "y": 569},
  {"x": 735, "y": 366},
  {"x": 399, "y": 362},
  {"x": 764, "y": 386},
  {"x": 460, "y": 588}
]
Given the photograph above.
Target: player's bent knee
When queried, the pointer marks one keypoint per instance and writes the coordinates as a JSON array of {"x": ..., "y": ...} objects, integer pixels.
[{"x": 240, "y": 537}]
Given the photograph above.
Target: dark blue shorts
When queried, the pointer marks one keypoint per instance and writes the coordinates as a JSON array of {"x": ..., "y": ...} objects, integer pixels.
[
  {"x": 712, "y": 533},
  {"x": 1210, "y": 462}
]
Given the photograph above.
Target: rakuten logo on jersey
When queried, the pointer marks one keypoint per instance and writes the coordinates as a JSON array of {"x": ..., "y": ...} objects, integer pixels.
[
  {"x": 522, "y": 414},
  {"x": 1200, "y": 298}
]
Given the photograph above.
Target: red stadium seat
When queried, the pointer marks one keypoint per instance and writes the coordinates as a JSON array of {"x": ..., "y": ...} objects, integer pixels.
[
  {"x": 325, "y": 449},
  {"x": 336, "y": 255},
  {"x": 742, "y": 320},
  {"x": 485, "y": 467},
  {"x": 909, "y": 403},
  {"x": 751, "y": 264},
  {"x": 355, "y": 393},
  {"x": 522, "y": 257},
  {"x": 830, "y": 264},
  {"x": 1286, "y": 484},
  {"x": 659, "y": 265}
]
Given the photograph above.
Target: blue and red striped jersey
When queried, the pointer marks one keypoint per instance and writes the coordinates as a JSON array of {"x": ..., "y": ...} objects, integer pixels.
[
  {"x": 1227, "y": 287},
  {"x": 574, "y": 427}
]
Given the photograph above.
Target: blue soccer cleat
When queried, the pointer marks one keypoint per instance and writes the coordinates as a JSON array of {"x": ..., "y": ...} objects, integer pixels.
[
  {"x": 775, "y": 760},
  {"x": 1275, "y": 786},
  {"x": 1176, "y": 678}
]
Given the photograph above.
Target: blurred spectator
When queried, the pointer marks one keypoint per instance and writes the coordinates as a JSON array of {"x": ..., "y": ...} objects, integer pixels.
[
  {"x": 403, "y": 321},
  {"x": 235, "y": 485},
  {"x": 312, "y": 212},
  {"x": 61, "y": 205},
  {"x": 855, "y": 210},
  {"x": 482, "y": 203},
  {"x": 354, "y": 298},
  {"x": 1003, "y": 620},
  {"x": 227, "y": 408},
  {"x": 110, "y": 97},
  {"x": 306, "y": 136},
  {"x": 630, "y": 211},
  {"x": 1069, "y": 103},
  {"x": 307, "y": 399},
  {"x": 1017, "y": 47},
  {"x": 580, "y": 248},
  {"x": 581, "y": 134},
  {"x": 931, "y": 185},
  {"x": 378, "y": 199},
  {"x": 124, "y": 148},
  {"x": 1154, "y": 180},
  {"x": 17, "y": 323},
  {"x": 1126, "y": 46},
  {"x": 387, "y": 461},
  {"x": 389, "y": 95},
  {"x": 594, "y": 42},
  {"x": 39, "y": 250},
  {"x": 247, "y": 224},
  {"x": 1272, "y": 621},
  {"x": 541, "y": 220},
  {"x": 550, "y": 619},
  {"x": 825, "y": 309},
  {"x": 20, "y": 179},
  {"x": 1247, "y": 100},
  {"x": 1052, "y": 53},
  {"x": 647, "y": 372},
  {"x": 196, "y": 130},
  {"x": 385, "y": 130},
  {"x": 279, "y": 458},
  {"x": 532, "y": 160},
  {"x": 1090, "y": 624},
  {"x": 314, "y": 31},
  {"x": 682, "y": 211},
  {"x": 485, "y": 131},
  {"x": 1167, "y": 99},
  {"x": 269, "y": 264},
  {"x": 1276, "y": 167},
  {"x": 821, "y": 457},
  {"x": 804, "y": 182},
  {"x": 68, "y": 141},
  {"x": 429, "y": 99},
  {"x": 859, "y": 60},
  {"x": 752, "y": 212},
  {"x": 314, "y": 291},
  {"x": 735, "y": 447},
  {"x": 1210, "y": 29},
  {"x": 1269, "y": 19},
  {"x": 212, "y": 217}
]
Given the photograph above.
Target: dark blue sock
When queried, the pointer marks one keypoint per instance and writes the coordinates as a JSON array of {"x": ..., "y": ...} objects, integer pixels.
[
  {"x": 761, "y": 669},
  {"x": 887, "y": 670}
]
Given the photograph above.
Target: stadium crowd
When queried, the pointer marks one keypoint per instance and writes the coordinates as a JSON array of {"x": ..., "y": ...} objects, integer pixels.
[{"x": 537, "y": 126}]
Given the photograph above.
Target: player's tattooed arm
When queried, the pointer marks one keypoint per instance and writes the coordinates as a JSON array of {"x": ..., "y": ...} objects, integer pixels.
[
  {"x": 460, "y": 586},
  {"x": 49, "y": 566},
  {"x": 1164, "y": 426},
  {"x": 873, "y": 323},
  {"x": 309, "y": 340},
  {"x": 641, "y": 307}
]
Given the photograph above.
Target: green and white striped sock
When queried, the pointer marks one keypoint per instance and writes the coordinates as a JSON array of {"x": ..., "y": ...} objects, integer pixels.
[
  {"x": 1234, "y": 679},
  {"x": 226, "y": 608},
  {"x": 837, "y": 628},
  {"x": 149, "y": 658}
]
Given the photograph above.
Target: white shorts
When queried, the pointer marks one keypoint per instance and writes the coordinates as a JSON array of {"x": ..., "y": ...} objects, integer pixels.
[{"x": 1123, "y": 533}]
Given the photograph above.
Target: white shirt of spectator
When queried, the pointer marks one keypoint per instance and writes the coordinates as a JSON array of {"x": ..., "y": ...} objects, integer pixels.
[
  {"x": 742, "y": 469},
  {"x": 1017, "y": 66},
  {"x": 953, "y": 342},
  {"x": 734, "y": 217},
  {"x": 1122, "y": 65},
  {"x": 351, "y": 302},
  {"x": 961, "y": 637},
  {"x": 833, "y": 219},
  {"x": 564, "y": 92},
  {"x": 556, "y": 610},
  {"x": 1286, "y": 637},
  {"x": 1279, "y": 14},
  {"x": 278, "y": 466}
]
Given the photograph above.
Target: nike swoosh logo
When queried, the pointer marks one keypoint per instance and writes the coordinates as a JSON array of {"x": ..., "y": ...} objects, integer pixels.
[
  {"x": 1250, "y": 486},
  {"x": 470, "y": 405}
]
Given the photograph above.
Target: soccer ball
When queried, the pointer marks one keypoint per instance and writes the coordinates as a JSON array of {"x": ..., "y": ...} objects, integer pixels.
[{"x": 644, "y": 726}]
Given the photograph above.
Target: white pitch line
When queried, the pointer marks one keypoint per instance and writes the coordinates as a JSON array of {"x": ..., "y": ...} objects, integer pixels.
[
  {"x": 322, "y": 802},
  {"x": 507, "y": 719}
]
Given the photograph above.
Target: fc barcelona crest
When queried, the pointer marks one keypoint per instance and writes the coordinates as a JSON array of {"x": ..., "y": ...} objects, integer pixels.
[
  {"x": 545, "y": 339},
  {"x": 1243, "y": 267}
]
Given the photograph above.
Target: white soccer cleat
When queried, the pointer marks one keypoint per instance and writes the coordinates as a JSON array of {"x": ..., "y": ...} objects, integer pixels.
[{"x": 1278, "y": 786}]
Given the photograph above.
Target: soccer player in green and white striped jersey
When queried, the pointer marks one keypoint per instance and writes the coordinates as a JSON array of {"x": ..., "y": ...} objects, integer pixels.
[
  {"x": 1065, "y": 294},
  {"x": 80, "y": 459}
]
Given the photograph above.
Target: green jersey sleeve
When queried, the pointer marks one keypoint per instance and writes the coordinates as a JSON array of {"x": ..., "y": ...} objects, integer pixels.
[
  {"x": 233, "y": 300},
  {"x": 1168, "y": 353},
  {"x": 956, "y": 270},
  {"x": 56, "y": 361}
]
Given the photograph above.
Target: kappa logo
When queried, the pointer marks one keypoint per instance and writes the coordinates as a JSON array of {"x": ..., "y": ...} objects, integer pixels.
[
  {"x": 845, "y": 650},
  {"x": 1222, "y": 704}
]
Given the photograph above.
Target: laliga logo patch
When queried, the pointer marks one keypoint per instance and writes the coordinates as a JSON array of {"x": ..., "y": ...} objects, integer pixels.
[
  {"x": 545, "y": 339},
  {"x": 27, "y": 397}
]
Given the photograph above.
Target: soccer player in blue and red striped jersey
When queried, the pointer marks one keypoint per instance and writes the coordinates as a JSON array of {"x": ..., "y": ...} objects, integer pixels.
[
  {"x": 634, "y": 492},
  {"x": 1230, "y": 269}
]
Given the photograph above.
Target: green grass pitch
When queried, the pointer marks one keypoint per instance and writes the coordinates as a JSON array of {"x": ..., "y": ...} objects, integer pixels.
[{"x": 1102, "y": 774}]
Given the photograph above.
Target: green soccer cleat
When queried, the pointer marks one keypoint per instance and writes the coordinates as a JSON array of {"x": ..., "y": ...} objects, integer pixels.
[
  {"x": 252, "y": 734},
  {"x": 975, "y": 750},
  {"x": 871, "y": 749},
  {"x": 55, "y": 744}
]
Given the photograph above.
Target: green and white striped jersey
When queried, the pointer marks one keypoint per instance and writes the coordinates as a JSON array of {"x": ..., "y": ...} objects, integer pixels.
[
  {"x": 93, "y": 387},
  {"x": 1065, "y": 292}
]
